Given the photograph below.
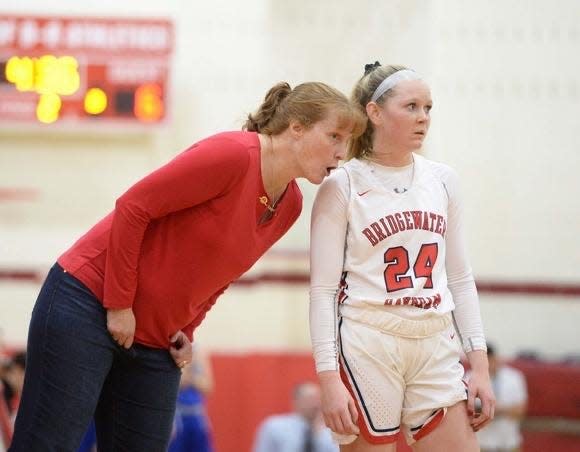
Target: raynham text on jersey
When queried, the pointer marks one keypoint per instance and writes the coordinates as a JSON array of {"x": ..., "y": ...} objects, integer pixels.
[
  {"x": 403, "y": 221},
  {"x": 419, "y": 302}
]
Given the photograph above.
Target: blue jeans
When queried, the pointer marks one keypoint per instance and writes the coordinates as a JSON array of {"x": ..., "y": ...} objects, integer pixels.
[{"x": 75, "y": 370}]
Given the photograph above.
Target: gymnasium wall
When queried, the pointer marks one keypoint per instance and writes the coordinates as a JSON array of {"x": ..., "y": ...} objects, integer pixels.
[{"x": 506, "y": 90}]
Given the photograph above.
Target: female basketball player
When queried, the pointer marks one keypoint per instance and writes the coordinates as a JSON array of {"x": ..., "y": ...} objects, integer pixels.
[
  {"x": 114, "y": 320},
  {"x": 387, "y": 233}
]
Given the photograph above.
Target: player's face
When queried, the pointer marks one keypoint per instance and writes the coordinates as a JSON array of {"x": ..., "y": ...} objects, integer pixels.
[
  {"x": 322, "y": 146},
  {"x": 405, "y": 116}
]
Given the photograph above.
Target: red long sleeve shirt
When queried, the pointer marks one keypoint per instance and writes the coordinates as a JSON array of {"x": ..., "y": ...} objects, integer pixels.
[{"x": 178, "y": 237}]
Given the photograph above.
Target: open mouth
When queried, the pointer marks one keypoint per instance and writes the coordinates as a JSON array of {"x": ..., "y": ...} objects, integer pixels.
[{"x": 329, "y": 169}]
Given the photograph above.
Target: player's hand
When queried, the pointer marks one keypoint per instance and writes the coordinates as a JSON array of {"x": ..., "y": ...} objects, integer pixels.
[
  {"x": 338, "y": 408},
  {"x": 121, "y": 325},
  {"x": 181, "y": 350},
  {"x": 479, "y": 386}
]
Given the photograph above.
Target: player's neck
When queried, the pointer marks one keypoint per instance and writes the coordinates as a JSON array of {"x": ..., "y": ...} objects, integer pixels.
[{"x": 391, "y": 157}]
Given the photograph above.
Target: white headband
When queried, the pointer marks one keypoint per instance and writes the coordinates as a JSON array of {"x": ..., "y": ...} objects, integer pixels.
[{"x": 392, "y": 80}]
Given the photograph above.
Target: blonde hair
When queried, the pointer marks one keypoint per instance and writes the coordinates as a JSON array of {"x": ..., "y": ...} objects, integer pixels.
[
  {"x": 307, "y": 103},
  {"x": 362, "y": 145}
]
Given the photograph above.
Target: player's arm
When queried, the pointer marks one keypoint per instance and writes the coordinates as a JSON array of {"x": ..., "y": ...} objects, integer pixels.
[
  {"x": 479, "y": 386},
  {"x": 459, "y": 274},
  {"x": 327, "y": 243},
  {"x": 467, "y": 313}
]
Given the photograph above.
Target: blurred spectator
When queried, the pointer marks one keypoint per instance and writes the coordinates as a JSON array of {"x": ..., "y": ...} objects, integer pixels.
[
  {"x": 3, "y": 348},
  {"x": 5, "y": 422},
  {"x": 13, "y": 380},
  {"x": 192, "y": 430},
  {"x": 572, "y": 359},
  {"x": 300, "y": 431},
  {"x": 509, "y": 385},
  {"x": 5, "y": 389}
]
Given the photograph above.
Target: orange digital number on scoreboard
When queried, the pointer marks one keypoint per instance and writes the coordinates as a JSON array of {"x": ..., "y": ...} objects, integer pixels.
[{"x": 71, "y": 70}]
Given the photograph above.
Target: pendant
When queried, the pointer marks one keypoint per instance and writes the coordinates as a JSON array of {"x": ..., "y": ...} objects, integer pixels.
[{"x": 264, "y": 200}]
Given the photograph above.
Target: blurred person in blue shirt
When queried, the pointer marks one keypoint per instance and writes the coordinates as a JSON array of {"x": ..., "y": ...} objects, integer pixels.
[{"x": 192, "y": 430}]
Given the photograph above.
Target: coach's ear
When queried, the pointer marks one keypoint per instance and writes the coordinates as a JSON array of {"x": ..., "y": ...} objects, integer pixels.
[{"x": 296, "y": 128}]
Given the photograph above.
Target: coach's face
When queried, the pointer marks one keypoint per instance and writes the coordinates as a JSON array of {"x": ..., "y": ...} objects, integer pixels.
[{"x": 322, "y": 146}]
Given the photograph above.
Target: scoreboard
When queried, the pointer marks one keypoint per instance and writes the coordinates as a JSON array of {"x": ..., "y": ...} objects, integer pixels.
[{"x": 71, "y": 70}]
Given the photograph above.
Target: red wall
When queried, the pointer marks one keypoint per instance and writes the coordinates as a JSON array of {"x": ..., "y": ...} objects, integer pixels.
[
  {"x": 553, "y": 388},
  {"x": 247, "y": 389},
  {"x": 250, "y": 387}
]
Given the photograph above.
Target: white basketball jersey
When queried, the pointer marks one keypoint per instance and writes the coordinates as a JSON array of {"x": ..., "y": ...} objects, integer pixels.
[{"x": 395, "y": 244}]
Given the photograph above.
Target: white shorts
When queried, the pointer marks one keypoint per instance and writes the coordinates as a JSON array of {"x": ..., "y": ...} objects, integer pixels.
[{"x": 400, "y": 382}]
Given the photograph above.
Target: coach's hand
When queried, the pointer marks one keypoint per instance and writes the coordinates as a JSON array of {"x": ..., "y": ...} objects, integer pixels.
[
  {"x": 338, "y": 408},
  {"x": 181, "y": 350},
  {"x": 121, "y": 325},
  {"x": 479, "y": 386}
]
